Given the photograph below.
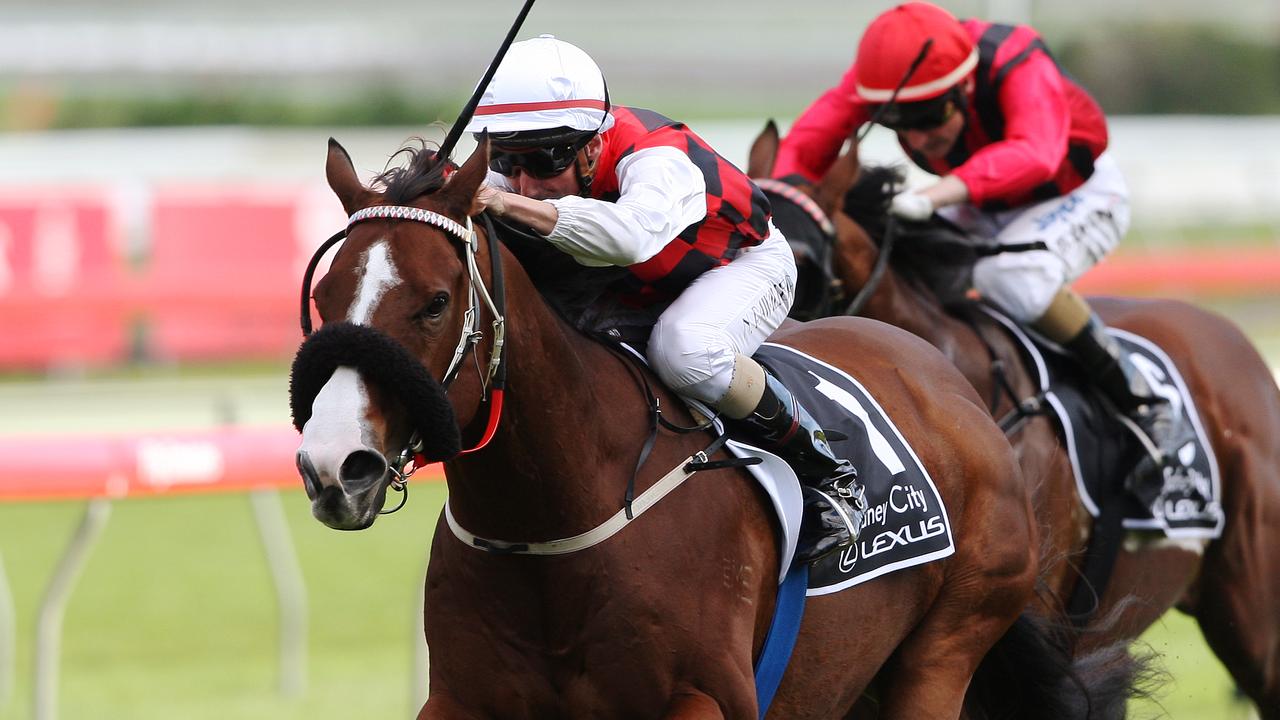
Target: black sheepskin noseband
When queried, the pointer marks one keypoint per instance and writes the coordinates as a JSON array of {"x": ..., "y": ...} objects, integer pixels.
[{"x": 387, "y": 364}]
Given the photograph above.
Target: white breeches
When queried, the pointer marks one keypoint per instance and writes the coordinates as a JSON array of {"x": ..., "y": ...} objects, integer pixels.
[
  {"x": 1079, "y": 229},
  {"x": 727, "y": 311}
]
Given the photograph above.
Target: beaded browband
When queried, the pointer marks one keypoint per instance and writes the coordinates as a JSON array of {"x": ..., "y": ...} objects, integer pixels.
[{"x": 401, "y": 212}]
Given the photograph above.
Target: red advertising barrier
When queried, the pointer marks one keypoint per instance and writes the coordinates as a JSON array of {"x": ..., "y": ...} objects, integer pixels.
[
  {"x": 1200, "y": 272},
  {"x": 218, "y": 271},
  {"x": 148, "y": 464},
  {"x": 222, "y": 266},
  {"x": 215, "y": 276},
  {"x": 62, "y": 280}
]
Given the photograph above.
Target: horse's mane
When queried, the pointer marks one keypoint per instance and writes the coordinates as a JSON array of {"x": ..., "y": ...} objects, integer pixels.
[
  {"x": 570, "y": 288},
  {"x": 423, "y": 174},
  {"x": 867, "y": 202},
  {"x": 579, "y": 294}
]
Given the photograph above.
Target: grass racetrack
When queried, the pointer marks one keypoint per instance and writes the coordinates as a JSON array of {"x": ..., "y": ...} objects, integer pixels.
[{"x": 175, "y": 616}]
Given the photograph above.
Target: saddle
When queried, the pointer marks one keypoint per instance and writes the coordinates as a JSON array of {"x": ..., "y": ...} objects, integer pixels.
[
  {"x": 907, "y": 523},
  {"x": 1181, "y": 501}
]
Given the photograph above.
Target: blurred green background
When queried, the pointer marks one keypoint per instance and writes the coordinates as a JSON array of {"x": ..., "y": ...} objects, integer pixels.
[{"x": 174, "y": 615}]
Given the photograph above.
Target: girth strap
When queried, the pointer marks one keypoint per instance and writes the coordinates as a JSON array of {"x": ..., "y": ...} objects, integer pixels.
[
  {"x": 1024, "y": 408},
  {"x": 672, "y": 480}
]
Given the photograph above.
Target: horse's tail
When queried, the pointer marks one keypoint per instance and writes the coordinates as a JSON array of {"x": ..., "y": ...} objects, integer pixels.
[{"x": 1032, "y": 672}]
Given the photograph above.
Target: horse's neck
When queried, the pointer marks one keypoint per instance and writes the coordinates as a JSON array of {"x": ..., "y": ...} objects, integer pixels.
[
  {"x": 917, "y": 310},
  {"x": 898, "y": 302},
  {"x": 573, "y": 422}
]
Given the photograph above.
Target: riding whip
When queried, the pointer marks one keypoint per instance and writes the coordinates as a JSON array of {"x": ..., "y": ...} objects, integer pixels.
[
  {"x": 447, "y": 147},
  {"x": 455, "y": 132}
]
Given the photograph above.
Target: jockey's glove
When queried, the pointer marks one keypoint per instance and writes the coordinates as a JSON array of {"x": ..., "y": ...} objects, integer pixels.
[{"x": 911, "y": 206}]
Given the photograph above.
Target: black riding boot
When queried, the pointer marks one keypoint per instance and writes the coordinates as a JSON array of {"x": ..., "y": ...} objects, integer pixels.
[
  {"x": 833, "y": 498},
  {"x": 1112, "y": 371}
]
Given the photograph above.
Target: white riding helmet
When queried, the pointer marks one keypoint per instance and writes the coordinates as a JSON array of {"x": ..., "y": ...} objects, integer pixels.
[{"x": 541, "y": 84}]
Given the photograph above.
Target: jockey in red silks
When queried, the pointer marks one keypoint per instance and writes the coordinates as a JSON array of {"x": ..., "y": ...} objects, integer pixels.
[
  {"x": 626, "y": 187},
  {"x": 1021, "y": 151}
]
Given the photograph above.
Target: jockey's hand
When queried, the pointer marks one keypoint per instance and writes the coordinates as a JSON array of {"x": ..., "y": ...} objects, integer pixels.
[
  {"x": 493, "y": 199},
  {"x": 538, "y": 215},
  {"x": 910, "y": 205}
]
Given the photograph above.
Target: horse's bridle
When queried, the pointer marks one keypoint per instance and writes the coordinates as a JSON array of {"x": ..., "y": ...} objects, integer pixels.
[
  {"x": 790, "y": 192},
  {"x": 410, "y": 458}
]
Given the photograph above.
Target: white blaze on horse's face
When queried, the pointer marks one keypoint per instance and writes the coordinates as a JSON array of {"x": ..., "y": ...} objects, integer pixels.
[
  {"x": 345, "y": 472},
  {"x": 335, "y": 429},
  {"x": 379, "y": 276}
]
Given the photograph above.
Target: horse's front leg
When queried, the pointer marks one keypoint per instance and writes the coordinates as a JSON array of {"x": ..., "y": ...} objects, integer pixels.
[{"x": 693, "y": 705}]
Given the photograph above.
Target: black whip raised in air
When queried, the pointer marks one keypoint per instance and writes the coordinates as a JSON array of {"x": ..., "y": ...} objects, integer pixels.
[
  {"x": 464, "y": 117},
  {"x": 447, "y": 147}
]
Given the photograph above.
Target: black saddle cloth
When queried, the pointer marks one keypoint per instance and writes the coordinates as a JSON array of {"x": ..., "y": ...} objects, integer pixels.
[
  {"x": 906, "y": 522},
  {"x": 1184, "y": 500}
]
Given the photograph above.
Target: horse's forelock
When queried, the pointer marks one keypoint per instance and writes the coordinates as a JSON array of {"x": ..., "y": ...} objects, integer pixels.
[{"x": 425, "y": 173}]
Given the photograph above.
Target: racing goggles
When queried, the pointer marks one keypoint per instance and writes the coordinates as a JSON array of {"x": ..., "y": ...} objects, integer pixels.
[
  {"x": 540, "y": 162},
  {"x": 923, "y": 115}
]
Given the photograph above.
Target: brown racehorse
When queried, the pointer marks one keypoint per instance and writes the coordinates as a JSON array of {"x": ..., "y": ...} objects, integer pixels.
[
  {"x": 1232, "y": 586},
  {"x": 664, "y": 618}
]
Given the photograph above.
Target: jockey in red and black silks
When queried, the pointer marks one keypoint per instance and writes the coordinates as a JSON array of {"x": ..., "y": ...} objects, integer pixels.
[
  {"x": 1020, "y": 151},
  {"x": 627, "y": 193},
  {"x": 737, "y": 212}
]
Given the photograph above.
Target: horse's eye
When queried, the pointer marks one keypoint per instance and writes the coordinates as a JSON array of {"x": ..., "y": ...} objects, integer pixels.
[{"x": 434, "y": 308}]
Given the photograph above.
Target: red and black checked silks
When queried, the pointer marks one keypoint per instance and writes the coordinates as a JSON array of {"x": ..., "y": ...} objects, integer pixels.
[{"x": 737, "y": 212}]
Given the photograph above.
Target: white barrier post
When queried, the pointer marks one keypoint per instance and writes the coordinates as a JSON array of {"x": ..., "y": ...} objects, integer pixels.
[
  {"x": 291, "y": 590},
  {"x": 53, "y": 607},
  {"x": 286, "y": 576},
  {"x": 8, "y": 638}
]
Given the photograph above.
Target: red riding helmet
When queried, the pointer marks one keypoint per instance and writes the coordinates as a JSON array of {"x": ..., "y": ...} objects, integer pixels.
[{"x": 892, "y": 43}]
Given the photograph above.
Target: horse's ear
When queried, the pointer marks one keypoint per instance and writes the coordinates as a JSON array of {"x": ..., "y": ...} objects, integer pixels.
[
  {"x": 341, "y": 174},
  {"x": 460, "y": 194},
  {"x": 764, "y": 152},
  {"x": 843, "y": 174}
]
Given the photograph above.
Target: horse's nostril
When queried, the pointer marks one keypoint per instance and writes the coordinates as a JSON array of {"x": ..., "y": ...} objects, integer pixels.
[
  {"x": 361, "y": 469},
  {"x": 310, "y": 478}
]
